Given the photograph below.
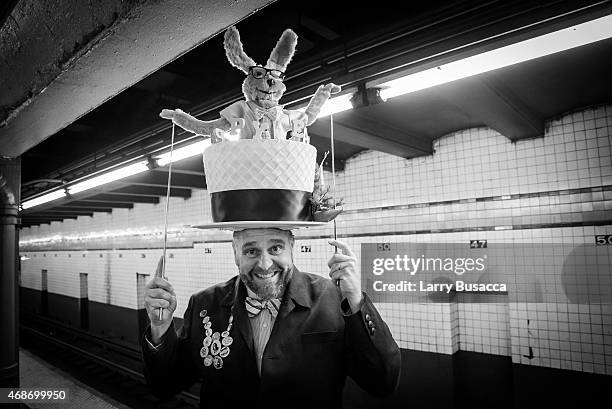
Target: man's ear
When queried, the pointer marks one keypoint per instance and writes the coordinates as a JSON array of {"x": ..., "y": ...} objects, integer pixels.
[
  {"x": 235, "y": 254},
  {"x": 291, "y": 242}
]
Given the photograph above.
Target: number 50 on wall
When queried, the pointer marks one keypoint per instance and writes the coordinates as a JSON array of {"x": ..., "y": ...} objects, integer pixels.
[{"x": 603, "y": 240}]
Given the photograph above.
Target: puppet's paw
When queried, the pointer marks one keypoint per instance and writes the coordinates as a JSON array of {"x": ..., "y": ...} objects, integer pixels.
[
  {"x": 180, "y": 118},
  {"x": 176, "y": 115},
  {"x": 333, "y": 88},
  {"x": 167, "y": 113}
]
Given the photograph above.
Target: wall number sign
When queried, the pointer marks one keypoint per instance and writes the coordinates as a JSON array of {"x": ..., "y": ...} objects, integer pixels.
[{"x": 478, "y": 244}]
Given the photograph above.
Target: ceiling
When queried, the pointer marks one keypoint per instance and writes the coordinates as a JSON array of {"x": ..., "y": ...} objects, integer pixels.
[{"x": 349, "y": 46}]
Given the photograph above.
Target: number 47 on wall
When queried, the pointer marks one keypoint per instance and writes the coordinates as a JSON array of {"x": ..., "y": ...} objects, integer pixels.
[{"x": 478, "y": 244}]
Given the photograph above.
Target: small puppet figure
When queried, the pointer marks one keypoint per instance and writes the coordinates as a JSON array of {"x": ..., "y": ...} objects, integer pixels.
[{"x": 259, "y": 116}]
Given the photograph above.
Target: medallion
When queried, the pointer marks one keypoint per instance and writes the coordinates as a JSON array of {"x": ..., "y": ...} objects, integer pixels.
[{"x": 215, "y": 347}]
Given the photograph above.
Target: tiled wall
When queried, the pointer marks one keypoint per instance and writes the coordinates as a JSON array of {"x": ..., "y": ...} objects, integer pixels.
[{"x": 477, "y": 185}]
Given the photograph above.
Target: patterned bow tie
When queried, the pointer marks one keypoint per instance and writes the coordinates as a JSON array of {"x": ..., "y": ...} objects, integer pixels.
[
  {"x": 255, "y": 306},
  {"x": 271, "y": 113}
]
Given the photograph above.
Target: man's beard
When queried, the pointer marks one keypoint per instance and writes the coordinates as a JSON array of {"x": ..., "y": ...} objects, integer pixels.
[{"x": 268, "y": 289}]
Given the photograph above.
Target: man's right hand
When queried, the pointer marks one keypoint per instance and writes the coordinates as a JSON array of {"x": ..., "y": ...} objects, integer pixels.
[{"x": 159, "y": 293}]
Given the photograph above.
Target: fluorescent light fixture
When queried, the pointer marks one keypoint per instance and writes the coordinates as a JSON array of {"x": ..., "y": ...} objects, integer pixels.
[
  {"x": 336, "y": 104},
  {"x": 48, "y": 197},
  {"x": 123, "y": 172},
  {"x": 571, "y": 37},
  {"x": 108, "y": 177},
  {"x": 184, "y": 152}
]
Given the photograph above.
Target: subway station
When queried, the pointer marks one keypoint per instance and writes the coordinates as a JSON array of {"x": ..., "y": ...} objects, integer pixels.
[{"x": 407, "y": 205}]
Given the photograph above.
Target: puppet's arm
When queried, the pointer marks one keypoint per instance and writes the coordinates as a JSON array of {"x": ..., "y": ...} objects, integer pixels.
[
  {"x": 191, "y": 124},
  {"x": 318, "y": 99}
]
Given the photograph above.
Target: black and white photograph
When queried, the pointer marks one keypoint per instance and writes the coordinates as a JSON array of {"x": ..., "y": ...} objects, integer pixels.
[{"x": 323, "y": 204}]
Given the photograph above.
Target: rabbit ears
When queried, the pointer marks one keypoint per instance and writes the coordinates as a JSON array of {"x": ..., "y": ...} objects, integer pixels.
[{"x": 279, "y": 58}]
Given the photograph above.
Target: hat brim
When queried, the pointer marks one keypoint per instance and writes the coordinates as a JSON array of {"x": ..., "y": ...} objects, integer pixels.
[{"x": 242, "y": 225}]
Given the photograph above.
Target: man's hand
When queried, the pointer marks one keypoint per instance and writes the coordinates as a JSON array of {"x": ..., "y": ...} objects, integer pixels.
[
  {"x": 342, "y": 267},
  {"x": 159, "y": 293}
]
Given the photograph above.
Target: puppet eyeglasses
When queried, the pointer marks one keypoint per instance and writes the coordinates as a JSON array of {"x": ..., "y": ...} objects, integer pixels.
[{"x": 259, "y": 72}]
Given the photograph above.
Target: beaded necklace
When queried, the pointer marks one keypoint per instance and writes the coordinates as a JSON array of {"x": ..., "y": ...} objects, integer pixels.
[{"x": 216, "y": 346}]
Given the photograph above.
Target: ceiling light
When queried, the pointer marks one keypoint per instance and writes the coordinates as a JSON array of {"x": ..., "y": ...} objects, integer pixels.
[
  {"x": 571, "y": 37},
  {"x": 335, "y": 105},
  {"x": 184, "y": 152},
  {"x": 48, "y": 197},
  {"x": 108, "y": 177}
]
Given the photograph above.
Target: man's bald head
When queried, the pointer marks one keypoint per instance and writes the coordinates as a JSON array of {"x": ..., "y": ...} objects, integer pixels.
[{"x": 238, "y": 234}]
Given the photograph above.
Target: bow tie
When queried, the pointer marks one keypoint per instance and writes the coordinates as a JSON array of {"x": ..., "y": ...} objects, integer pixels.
[
  {"x": 255, "y": 306},
  {"x": 270, "y": 113}
]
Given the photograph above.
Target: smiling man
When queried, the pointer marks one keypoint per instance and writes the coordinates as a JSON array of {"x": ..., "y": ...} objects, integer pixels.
[
  {"x": 271, "y": 336},
  {"x": 299, "y": 335},
  {"x": 265, "y": 260}
]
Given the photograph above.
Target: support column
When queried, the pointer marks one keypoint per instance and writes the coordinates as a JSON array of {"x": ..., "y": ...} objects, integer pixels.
[{"x": 10, "y": 175}]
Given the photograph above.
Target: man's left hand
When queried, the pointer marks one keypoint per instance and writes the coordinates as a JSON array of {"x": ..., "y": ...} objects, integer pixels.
[{"x": 342, "y": 267}]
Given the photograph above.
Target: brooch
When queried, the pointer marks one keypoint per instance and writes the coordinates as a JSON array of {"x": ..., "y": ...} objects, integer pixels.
[{"x": 216, "y": 345}]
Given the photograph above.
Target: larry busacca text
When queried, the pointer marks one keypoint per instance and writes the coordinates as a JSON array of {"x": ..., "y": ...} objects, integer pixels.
[{"x": 410, "y": 266}]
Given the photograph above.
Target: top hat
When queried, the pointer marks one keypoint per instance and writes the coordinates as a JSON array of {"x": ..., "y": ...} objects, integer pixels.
[{"x": 262, "y": 183}]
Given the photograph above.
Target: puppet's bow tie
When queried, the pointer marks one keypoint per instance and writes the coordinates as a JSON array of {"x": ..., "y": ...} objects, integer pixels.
[
  {"x": 255, "y": 306},
  {"x": 271, "y": 113}
]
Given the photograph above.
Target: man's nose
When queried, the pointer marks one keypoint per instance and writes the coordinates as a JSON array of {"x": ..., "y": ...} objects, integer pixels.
[
  {"x": 271, "y": 81},
  {"x": 265, "y": 262}
]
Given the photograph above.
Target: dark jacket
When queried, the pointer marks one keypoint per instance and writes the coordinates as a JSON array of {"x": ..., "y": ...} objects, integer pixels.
[{"x": 311, "y": 350}]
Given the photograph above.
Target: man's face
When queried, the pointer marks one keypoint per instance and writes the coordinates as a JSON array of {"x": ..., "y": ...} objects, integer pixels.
[{"x": 265, "y": 260}]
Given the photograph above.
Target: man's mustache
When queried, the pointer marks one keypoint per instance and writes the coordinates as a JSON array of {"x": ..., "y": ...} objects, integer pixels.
[{"x": 261, "y": 271}]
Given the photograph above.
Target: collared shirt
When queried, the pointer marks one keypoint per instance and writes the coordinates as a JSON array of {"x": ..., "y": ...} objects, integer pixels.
[
  {"x": 261, "y": 325},
  {"x": 284, "y": 122}
]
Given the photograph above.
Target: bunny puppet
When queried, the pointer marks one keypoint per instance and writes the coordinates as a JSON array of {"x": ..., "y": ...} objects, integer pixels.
[{"x": 259, "y": 116}]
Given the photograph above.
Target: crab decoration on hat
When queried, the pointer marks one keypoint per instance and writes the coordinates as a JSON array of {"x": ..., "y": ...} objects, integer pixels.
[{"x": 261, "y": 170}]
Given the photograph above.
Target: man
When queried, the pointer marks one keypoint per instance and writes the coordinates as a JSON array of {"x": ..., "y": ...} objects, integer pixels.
[{"x": 288, "y": 338}]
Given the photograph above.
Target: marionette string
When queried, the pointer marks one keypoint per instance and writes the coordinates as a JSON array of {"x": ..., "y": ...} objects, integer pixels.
[{"x": 163, "y": 269}]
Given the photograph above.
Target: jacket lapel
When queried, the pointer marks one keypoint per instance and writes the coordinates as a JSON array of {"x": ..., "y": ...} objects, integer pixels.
[
  {"x": 236, "y": 298},
  {"x": 294, "y": 308}
]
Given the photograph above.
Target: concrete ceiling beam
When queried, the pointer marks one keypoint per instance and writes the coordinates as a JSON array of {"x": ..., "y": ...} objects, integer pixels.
[
  {"x": 368, "y": 140},
  {"x": 496, "y": 106},
  {"x": 59, "y": 62}
]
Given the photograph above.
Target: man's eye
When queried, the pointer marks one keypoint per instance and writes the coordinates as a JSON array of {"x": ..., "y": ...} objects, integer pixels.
[
  {"x": 276, "y": 249},
  {"x": 251, "y": 252}
]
